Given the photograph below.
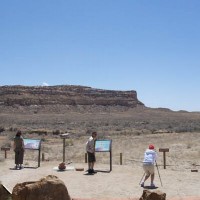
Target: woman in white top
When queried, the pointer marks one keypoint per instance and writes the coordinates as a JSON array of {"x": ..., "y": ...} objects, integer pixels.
[{"x": 150, "y": 157}]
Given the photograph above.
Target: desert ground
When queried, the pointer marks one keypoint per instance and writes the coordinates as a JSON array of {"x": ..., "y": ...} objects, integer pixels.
[
  {"x": 123, "y": 181},
  {"x": 45, "y": 113}
]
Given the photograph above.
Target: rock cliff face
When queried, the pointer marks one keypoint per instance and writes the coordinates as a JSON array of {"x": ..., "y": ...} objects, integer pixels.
[{"x": 65, "y": 95}]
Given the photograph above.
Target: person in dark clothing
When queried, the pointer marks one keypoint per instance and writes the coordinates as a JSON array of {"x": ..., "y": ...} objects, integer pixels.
[{"x": 19, "y": 150}]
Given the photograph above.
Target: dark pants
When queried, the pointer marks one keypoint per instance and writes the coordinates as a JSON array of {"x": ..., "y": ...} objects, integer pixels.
[{"x": 19, "y": 156}]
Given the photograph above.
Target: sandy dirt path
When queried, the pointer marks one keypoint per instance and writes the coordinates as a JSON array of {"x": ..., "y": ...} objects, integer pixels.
[{"x": 121, "y": 183}]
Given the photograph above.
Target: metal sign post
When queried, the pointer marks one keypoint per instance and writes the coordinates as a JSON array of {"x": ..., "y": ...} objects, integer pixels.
[
  {"x": 64, "y": 136},
  {"x": 5, "y": 149},
  {"x": 164, "y": 150}
]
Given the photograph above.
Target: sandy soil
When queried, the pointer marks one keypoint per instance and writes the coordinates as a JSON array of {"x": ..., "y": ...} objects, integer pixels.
[{"x": 121, "y": 183}]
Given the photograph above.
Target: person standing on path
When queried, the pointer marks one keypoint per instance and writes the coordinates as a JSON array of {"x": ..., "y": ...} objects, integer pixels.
[
  {"x": 19, "y": 150},
  {"x": 150, "y": 157},
  {"x": 90, "y": 148}
]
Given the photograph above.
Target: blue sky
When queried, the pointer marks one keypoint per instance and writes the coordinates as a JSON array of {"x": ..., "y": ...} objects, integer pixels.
[{"x": 152, "y": 47}]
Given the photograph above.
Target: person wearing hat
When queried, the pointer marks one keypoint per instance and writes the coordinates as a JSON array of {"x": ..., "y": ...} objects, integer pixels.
[{"x": 150, "y": 157}]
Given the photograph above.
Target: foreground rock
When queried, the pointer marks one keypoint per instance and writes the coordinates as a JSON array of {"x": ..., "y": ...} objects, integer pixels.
[
  {"x": 149, "y": 195},
  {"x": 4, "y": 194},
  {"x": 48, "y": 188}
]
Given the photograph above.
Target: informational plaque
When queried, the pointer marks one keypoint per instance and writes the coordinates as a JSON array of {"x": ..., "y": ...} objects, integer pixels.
[
  {"x": 103, "y": 145},
  {"x": 32, "y": 144}
]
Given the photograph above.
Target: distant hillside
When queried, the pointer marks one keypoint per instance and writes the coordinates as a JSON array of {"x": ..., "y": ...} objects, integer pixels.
[
  {"x": 65, "y": 95},
  {"x": 81, "y": 109}
]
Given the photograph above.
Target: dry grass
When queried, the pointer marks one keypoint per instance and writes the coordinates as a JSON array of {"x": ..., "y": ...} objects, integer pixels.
[
  {"x": 131, "y": 130},
  {"x": 184, "y": 149}
]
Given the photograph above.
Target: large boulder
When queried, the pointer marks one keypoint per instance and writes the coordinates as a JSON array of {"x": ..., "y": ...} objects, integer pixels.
[
  {"x": 4, "y": 194},
  {"x": 153, "y": 195},
  {"x": 47, "y": 188}
]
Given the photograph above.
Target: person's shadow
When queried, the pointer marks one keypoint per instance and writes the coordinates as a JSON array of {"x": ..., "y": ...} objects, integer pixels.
[
  {"x": 14, "y": 168},
  {"x": 89, "y": 174},
  {"x": 150, "y": 187}
]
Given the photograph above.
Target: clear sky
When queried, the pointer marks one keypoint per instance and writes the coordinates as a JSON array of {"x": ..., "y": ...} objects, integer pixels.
[{"x": 152, "y": 47}]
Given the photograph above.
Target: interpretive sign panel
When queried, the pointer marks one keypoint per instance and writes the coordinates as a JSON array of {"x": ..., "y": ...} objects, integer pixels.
[
  {"x": 32, "y": 144},
  {"x": 103, "y": 145}
]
